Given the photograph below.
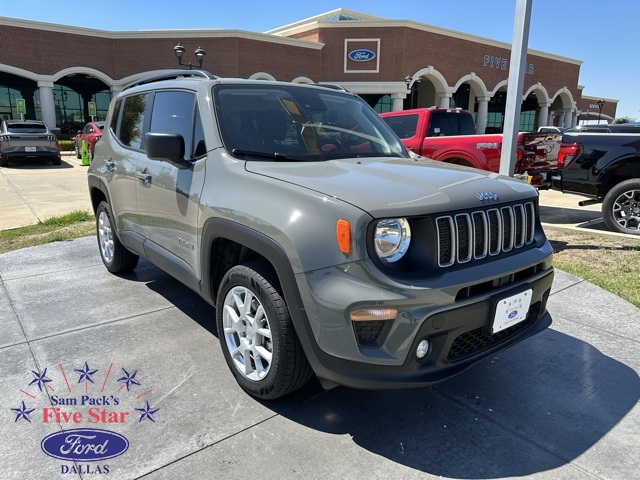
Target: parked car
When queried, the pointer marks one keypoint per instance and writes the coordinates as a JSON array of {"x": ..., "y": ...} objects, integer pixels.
[
  {"x": 339, "y": 255},
  {"x": 89, "y": 135},
  {"x": 606, "y": 168},
  {"x": 27, "y": 139},
  {"x": 449, "y": 135}
]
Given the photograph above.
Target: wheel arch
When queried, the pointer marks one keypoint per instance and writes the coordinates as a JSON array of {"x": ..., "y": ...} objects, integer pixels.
[
  {"x": 226, "y": 244},
  {"x": 626, "y": 168}
]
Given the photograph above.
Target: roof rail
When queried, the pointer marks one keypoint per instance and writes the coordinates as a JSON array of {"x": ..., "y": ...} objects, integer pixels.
[
  {"x": 171, "y": 75},
  {"x": 333, "y": 86}
]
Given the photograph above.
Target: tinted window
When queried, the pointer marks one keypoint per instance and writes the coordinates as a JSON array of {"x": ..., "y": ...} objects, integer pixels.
[
  {"x": 133, "y": 120},
  {"x": 403, "y": 125},
  {"x": 173, "y": 113},
  {"x": 449, "y": 123},
  {"x": 26, "y": 128},
  {"x": 116, "y": 114}
]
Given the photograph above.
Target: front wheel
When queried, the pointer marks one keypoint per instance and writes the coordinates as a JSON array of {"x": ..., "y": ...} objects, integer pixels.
[
  {"x": 621, "y": 207},
  {"x": 257, "y": 336},
  {"x": 114, "y": 255}
]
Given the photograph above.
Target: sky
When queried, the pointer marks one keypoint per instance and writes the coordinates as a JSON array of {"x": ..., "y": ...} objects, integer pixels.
[{"x": 602, "y": 34}]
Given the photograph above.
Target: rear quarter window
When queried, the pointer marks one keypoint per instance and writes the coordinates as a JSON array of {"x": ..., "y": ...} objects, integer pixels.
[{"x": 132, "y": 122}]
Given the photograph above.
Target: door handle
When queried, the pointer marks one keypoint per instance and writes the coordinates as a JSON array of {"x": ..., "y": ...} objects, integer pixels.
[
  {"x": 145, "y": 178},
  {"x": 110, "y": 164}
]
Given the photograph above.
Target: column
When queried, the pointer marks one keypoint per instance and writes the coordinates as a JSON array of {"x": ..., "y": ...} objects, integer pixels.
[
  {"x": 482, "y": 115},
  {"x": 398, "y": 100},
  {"x": 568, "y": 118},
  {"x": 574, "y": 118},
  {"x": 543, "y": 116},
  {"x": 47, "y": 104},
  {"x": 443, "y": 100}
]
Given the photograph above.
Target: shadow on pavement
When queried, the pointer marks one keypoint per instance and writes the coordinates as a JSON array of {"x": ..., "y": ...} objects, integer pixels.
[
  {"x": 32, "y": 164},
  {"x": 536, "y": 407},
  {"x": 587, "y": 219}
]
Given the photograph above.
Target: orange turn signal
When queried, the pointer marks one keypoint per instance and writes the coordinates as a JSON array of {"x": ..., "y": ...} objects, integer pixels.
[
  {"x": 343, "y": 235},
  {"x": 372, "y": 314}
]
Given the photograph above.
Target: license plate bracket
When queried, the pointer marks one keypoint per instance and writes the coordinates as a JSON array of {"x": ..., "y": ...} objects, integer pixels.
[
  {"x": 30, "y": 149},
  {"x": 511, "y": 310}
]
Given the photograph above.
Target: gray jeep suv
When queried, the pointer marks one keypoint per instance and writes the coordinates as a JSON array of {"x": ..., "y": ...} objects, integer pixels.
[{"x": 325, "y": 247}]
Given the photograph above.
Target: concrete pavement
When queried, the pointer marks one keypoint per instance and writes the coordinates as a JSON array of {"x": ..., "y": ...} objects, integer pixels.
[
  {"x": 34, "y": 191},
  {"x": 560, "y": 405}
]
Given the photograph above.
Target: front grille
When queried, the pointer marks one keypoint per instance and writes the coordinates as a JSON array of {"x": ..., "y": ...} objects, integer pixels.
[{"x": 475, "y": 235}]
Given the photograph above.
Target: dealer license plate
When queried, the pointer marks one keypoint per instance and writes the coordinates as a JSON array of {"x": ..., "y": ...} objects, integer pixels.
[
  {"x": 511, "y": 311},
  {"x": 30, "y": 149}
]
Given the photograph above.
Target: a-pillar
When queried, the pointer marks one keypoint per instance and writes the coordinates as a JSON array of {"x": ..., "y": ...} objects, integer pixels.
[
  {"x": 398, "y": 101},
  {"x": 482, "y": 115},
  {"x": 47, "y": 104},
  {"x": 444, "y": 100},
  {"x": 543, "y": 116}
]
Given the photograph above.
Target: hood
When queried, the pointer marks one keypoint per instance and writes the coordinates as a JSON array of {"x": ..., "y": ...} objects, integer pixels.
[{"x": 386, "y": 187}]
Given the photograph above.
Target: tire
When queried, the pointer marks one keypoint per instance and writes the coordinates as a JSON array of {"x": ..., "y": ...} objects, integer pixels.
[
  {"x": 78, "y": 152},
  {"x": 114, "y": 255},
  {"x": 90, "y": 154},
  {"x": 621, "y": 207},
  {"x": 259, "y": 343},
  {"x": 56, "y": 161},
  {"x": 4, "y": 162}
]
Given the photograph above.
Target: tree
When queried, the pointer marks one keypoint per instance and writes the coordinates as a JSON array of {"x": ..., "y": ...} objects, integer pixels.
[{"x": 624, "y": 120}]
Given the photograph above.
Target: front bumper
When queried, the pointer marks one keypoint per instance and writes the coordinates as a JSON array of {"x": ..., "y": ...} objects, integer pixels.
[{"x": 456, "y": 320}]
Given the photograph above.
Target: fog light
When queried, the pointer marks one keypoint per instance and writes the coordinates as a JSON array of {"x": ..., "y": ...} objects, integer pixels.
[{"x": 423, "y": 349}]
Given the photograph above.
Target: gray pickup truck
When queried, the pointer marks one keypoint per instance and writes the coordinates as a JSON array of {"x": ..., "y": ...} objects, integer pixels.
[{"x": 325, "y": 247}]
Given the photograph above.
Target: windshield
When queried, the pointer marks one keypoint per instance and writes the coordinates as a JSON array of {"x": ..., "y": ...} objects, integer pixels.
[{"x": 289, "y": 122}]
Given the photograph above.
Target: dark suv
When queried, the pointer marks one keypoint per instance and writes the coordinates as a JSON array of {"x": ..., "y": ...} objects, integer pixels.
[{"x": 325, "y": 247}]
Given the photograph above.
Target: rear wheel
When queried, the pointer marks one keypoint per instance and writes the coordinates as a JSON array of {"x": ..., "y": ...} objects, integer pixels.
[
  {"x": 4, "y": 162},
  {"x": 78, "y": 152},
  {"x": 114, "y": 255},
  {"x": 257, "y": 336},
  {"x": 621, "y": 207},
  {"x": 56, "y": 161}
]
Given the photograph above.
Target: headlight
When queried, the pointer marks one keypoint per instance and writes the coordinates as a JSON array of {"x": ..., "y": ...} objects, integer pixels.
[{"x": 392, "y": 238}]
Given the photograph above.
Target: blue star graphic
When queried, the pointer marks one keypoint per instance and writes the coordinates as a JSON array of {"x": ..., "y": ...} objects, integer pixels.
[
  {"x": 129, "y": 379},
  {"x": 40, "y": 378},
  {"x": 23, "y": 413},
  {"x": 147, "y": 412},
  {"x": 86, "y": 373}
]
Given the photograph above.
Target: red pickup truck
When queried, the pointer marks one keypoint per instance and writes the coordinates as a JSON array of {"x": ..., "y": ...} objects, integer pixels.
[{"x": 449, "y": 135}]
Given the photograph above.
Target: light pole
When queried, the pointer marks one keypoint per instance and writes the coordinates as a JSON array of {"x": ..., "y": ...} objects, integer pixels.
[
  {"x": 199, "y": 53},
  {"x": 600, "y": 105}
]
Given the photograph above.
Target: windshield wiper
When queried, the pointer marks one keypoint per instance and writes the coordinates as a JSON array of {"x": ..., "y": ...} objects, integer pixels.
[{"x": 279, "y": 157}]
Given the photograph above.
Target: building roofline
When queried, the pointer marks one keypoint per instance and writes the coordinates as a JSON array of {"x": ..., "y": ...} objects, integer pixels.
[
  {"x": 165, "y": 33},
  {"x": 369, "y": 21}
]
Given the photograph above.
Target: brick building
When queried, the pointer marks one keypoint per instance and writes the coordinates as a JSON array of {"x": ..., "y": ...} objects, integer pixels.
[{"x": 393, "y": 64}]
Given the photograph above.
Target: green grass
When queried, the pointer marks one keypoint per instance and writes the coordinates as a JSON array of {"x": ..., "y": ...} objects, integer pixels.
[
  {"x": 610, "y": 262},
  {"x": 79, "y": 223}
]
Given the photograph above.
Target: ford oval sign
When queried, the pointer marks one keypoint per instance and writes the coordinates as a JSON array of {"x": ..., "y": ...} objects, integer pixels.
[
  {"x": 513, "y": 314},
  {"x": 361, "y": 55},
  {"x": 84, "y": 445}
]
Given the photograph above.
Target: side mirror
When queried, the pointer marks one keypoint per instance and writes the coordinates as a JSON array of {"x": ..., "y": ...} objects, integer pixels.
[{"x": 164, "y": 146}]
